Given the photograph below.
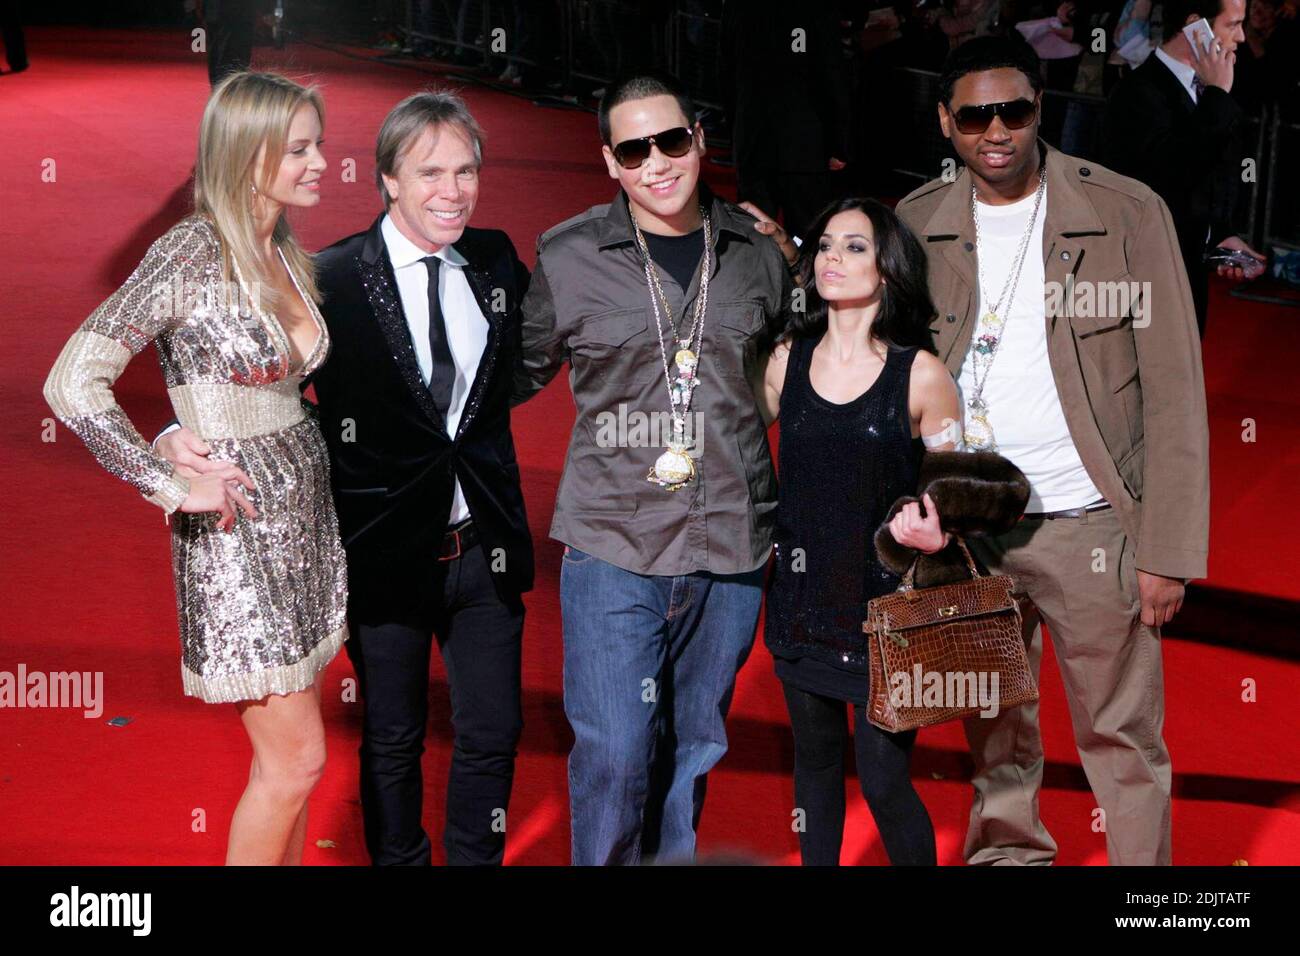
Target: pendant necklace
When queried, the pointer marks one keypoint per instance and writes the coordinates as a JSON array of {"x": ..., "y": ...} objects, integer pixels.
[
  {"x": 675, "y": 468},
  {"x": 978, "y": 433}
]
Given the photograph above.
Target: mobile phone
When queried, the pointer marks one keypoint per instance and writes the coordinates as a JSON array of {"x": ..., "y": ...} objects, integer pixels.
[
  {"x": 1235, "y": 257},
  {"x": 1200, "y": 35}
]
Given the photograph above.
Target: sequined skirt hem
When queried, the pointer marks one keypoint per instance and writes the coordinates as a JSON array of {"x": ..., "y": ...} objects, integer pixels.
[{"x": 229, "y": 688}]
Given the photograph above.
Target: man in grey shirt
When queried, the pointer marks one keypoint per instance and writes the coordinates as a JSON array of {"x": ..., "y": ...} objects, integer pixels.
[{"x": 658, "y": 302}]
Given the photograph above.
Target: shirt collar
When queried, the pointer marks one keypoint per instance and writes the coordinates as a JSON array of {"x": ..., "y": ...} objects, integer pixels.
[
  {"x": 1069, "y": 209},
  {"x": 403, "y": 252},
  {"x": 1182, "y": 71},
  {"x": 616, "y": 228}
]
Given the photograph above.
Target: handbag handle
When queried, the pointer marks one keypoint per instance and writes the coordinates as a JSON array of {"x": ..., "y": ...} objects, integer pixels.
[{"x": 911, "y": 570}]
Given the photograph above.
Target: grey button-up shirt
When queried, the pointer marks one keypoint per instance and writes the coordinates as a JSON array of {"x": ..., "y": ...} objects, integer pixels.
[{"x": 588, "y": 304}]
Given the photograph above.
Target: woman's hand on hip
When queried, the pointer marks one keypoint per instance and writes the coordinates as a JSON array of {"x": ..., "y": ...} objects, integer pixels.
[
  {"x": 189, "y": 453},
  {"x": 220, "y": 494}
]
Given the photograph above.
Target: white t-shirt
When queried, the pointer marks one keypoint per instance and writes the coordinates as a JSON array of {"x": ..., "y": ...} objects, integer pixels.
[{"x": 1023, "y": 406}]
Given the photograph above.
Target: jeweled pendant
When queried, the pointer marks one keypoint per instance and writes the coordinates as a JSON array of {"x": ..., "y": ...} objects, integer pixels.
[
  {"x": 673, "y": 469},
  {"x": 979, "y": 434}
]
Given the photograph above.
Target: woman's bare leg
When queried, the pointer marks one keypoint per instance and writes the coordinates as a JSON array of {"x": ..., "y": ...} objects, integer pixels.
[
  {"x": 298, "y": 839},
  {"x": 288, "y": 740}
]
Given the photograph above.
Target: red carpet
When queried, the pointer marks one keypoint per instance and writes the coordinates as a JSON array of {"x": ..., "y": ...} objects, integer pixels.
[{"x": 111, "y": 120}]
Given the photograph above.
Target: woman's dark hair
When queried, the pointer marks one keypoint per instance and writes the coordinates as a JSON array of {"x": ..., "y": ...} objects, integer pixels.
[{"x": 906, "y": 310}]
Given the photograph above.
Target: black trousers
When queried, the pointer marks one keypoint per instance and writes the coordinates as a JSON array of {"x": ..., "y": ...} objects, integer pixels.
[
  {"x": 479, "y": 636},
  {"x": 821, "y": 736},
  {"x": 1198, "y": 278}
]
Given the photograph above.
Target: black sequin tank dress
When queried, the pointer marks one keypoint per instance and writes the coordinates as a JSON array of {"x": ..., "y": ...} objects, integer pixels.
[{"x": 840, "y": 468}]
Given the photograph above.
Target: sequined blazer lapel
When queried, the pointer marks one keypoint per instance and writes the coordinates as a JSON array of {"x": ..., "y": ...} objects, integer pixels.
[
  {"x": 480, "y": 283},
  {"x": 381, "y": 289}
]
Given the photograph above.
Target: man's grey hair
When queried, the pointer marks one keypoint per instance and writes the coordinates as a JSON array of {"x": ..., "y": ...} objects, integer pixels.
[{"x": 408, "y": 119}]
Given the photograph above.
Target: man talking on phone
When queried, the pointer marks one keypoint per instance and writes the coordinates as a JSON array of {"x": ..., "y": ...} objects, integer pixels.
[{"x": 1174, "y": 125}]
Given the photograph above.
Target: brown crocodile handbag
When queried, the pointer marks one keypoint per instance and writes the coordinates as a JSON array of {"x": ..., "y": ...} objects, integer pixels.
[{"x": 947, "y": 652}]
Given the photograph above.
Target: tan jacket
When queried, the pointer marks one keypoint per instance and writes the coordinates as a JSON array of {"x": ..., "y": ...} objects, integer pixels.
[{"x": 1128, "y": 370}]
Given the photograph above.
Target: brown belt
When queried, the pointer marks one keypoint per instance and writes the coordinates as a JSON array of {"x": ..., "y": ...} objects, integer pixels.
[
  {"x": 458, "y": 540},
  {"x": 1068, "y": 512}
]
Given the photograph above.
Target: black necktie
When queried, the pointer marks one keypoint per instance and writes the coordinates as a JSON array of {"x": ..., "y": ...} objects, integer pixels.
[
  {"x": 443, "y": 374},
  {"x": 1198, "y": 88}
]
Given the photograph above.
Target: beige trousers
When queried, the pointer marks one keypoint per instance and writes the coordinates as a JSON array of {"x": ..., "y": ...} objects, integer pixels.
[{"x": 1079, "y": 576}]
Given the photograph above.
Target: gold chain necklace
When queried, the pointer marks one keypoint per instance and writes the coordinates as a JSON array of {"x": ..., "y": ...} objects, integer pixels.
[{"x": 675, "y": 468}]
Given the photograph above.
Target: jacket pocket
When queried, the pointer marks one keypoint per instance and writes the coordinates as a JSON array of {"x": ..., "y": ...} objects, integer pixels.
[
  {"x": 1102, "y": 320},
  {"x": 1112, "y": 377},
  {"x": 1094, "y": 306},
  {"x": 735, "y": 347},
  {"x": 611, "y": 329},
  {"x": 745, "y": 317},
  {"x": 1130, "y": 469}
]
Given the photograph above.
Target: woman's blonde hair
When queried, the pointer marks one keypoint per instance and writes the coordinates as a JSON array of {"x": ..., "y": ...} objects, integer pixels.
[{"x": 245, "y": 110}]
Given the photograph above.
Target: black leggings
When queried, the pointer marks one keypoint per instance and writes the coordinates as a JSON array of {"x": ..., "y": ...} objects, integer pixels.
[{"x": 820, "y": 737}]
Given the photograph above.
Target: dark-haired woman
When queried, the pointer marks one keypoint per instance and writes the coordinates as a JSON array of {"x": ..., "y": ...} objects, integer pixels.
[{"x": 860, "y": 395}]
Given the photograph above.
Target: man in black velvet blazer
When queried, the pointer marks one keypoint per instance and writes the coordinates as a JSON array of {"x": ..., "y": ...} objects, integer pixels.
[
  {"x": 393, "y": 465},
  {"x": 1173, "y": 125},
  {"x": 414, "y": 404}
]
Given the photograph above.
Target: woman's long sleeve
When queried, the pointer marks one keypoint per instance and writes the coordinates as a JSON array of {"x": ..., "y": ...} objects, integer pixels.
[{"x": 79, "y": 386}]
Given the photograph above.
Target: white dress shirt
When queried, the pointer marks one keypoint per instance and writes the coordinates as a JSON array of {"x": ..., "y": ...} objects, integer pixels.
[
  {"x": 467, "y": 328},
  {"x": 1181, "y": 70}
]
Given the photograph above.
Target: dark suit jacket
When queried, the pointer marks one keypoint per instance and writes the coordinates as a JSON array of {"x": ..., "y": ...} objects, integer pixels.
[
  {"x": 1189, "y": 153},
  {"x": 392, "y": 462}
]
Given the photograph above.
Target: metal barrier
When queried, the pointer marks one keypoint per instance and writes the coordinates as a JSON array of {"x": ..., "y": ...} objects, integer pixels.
[
  {"x": 601, "y": 39},
  {"x": 1268, "y": 205},
  {"x": 460, "y": 24},
  {"x": 1281, "y": 193}
]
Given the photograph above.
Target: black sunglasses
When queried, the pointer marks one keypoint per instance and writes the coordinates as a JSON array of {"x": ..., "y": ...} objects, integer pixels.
[
  {"x": 675, "y": 142},
  {"x": 1016, "y": 114}
]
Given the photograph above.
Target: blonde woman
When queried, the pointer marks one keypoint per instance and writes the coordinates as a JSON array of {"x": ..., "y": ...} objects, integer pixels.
[{"x": 229, "y": 298}]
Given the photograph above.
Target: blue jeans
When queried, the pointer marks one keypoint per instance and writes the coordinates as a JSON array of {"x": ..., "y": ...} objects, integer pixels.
[{"x": 650, "y": 664}]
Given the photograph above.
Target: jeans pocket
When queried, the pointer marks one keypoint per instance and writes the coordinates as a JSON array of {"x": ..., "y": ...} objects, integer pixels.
[{"x": 573, "y": 556}]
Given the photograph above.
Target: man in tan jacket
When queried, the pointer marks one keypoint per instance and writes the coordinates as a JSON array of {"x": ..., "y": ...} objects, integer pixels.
[{"x": 1064, "y": 312}]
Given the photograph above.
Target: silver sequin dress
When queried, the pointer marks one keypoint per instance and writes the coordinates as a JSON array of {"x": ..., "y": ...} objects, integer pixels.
[{"x": 261, "y": 609}]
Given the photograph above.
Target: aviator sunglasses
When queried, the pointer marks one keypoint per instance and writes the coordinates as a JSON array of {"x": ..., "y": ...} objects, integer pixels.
[
  {"x": 1016, "y": 114},
  {"x": 675, "y": 142}
]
